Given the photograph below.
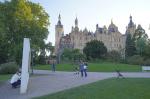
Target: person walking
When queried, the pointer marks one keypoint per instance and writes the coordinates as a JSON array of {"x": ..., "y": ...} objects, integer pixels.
[
  {"x": 53, "y": 65},
  {"x": 81, "y": 65},
  {"x": 85, "y": 69}
]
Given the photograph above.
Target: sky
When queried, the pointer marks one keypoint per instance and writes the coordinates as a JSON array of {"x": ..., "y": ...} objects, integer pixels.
[{"x": 92, "y": 12}]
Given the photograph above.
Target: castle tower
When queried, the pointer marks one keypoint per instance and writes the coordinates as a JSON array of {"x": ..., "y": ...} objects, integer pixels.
[
  {"x": 76, "y": 24},
  {"x": 131, "y": 27},
  {"x": 59, "y": 32}
]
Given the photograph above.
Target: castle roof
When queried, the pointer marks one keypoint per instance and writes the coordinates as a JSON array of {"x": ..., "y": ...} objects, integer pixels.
[
  {"x": 112, "y": 27},
  {"x": 131, "y": 23},
  {"x": 59, "y": 21}
]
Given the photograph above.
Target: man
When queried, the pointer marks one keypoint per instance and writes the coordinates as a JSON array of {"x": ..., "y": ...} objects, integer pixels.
[
  {"x": 81, "y": 65},
  {"x": 16, "y": 80},
  {"x": 53, "y": 65}
]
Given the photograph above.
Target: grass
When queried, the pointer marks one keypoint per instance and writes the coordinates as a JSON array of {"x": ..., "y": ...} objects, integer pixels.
[
  {"x": 59, "y": 67},
  {"x": 94, "y": 67},
  {"x": 4, "y": 77},
  {"x": 129, "y": 88}
]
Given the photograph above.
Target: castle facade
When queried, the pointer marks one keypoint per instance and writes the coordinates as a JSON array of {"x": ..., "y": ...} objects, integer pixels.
[{"x": 77, "y": 39}]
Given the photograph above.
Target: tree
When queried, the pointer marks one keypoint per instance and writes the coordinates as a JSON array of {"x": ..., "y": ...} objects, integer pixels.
[
  {"x": 20, "y": 19},
  {"x": 130, "y": 48},
  {"x": 66, "y": 55},
  {"x": 77, "y": 55},
  {"x": 95, "y": 49},
  {"x": 140, "y": 38},
  {"x": 4, "y": 44},
  {"x": 50, "y": 48},
  {"x": 147, "y": 50}
]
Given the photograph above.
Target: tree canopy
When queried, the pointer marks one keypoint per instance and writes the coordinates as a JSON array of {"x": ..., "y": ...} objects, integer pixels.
[
  {"x": 140, "y": 38},
  {"x": 95, "y": 49},
  {"x": 138, "y": 47},
  {"x": 147, "y": 50},
  {"x": 130, "y": 48},
  {"x": 21, "y": 19}
]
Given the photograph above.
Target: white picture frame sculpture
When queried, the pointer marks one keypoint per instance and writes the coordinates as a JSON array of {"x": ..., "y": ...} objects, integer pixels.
[{"x": 26, "y": 61}]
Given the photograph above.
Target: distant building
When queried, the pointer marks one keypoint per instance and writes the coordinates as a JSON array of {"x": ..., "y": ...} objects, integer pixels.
[{"x": 77, "y": 39}]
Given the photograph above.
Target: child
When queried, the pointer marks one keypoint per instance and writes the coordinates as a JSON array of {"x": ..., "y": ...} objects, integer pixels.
[{"x": 76, "y": 70}]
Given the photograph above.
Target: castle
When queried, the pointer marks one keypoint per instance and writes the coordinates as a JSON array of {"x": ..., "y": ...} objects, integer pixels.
[{"x": 77, "y": 39}]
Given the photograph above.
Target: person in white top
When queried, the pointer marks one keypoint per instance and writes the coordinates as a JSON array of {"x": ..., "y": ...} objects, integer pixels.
[
  {"x": 16, "y": 80},
  {"x": 85, "y": 68}
]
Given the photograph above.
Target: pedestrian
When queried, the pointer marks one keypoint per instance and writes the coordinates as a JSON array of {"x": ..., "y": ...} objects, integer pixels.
[
  {"x": 85, "y": 65},
  {"x": 16, "y": 79},
  {"x": 81, "y": 65},
  {"x": 53, "y": 65}
]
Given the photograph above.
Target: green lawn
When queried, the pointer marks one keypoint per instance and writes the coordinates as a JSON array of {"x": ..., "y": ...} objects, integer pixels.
[
  {"x": 94, "y": 67},
  {"x": 129, "y": 88},
  {"x": 5, "y": 77}
]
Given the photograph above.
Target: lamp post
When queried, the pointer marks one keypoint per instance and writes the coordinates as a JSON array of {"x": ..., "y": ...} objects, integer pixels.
[{"x": 32, "y": 60}]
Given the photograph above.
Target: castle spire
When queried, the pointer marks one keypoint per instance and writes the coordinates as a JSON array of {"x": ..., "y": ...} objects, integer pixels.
[
  {"x": 59, "y": 17},
  {"x": 131, "y": 24},
  {"x": 76, "y": 22},
  {"x": 59, "y": 20},
  {"x": 111, "y": 21},
  {"x": 130, "y": 17}
]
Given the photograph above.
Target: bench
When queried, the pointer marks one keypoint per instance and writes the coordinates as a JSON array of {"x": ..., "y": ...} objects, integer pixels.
[{"x": 145, "y": 68}]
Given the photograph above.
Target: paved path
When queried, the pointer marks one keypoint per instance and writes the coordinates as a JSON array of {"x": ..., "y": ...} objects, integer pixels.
[{"x": 46, "y": 82}]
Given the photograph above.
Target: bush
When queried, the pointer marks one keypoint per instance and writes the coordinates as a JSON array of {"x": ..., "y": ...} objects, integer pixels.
[
  {"x": 8, "y": 68},
  {"x": 135, "y": 60},
  {"x": 113, "y": 56},
  {"x": 146, "y": 62}
]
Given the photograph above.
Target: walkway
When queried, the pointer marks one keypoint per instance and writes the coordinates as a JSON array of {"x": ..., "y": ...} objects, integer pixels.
[{"x": 46, "y": 82}]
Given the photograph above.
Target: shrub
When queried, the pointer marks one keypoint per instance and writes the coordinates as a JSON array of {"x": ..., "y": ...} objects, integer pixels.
[
  {"x": 135, "y": 60},
  {"x": 146, "y": 62},
  {"x": 8, "y": 68},
  {"x": 113, "y": 56}
]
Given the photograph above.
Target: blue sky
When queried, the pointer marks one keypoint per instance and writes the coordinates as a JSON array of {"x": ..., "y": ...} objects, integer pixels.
[{"x": 92, "y": 12}]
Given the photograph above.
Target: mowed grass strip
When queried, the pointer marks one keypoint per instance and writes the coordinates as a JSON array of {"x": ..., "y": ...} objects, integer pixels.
[
  {"x": 5, "y": 77},
  {"x": 94, "y": 67},
  {"x": 128, "y": 88}
]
